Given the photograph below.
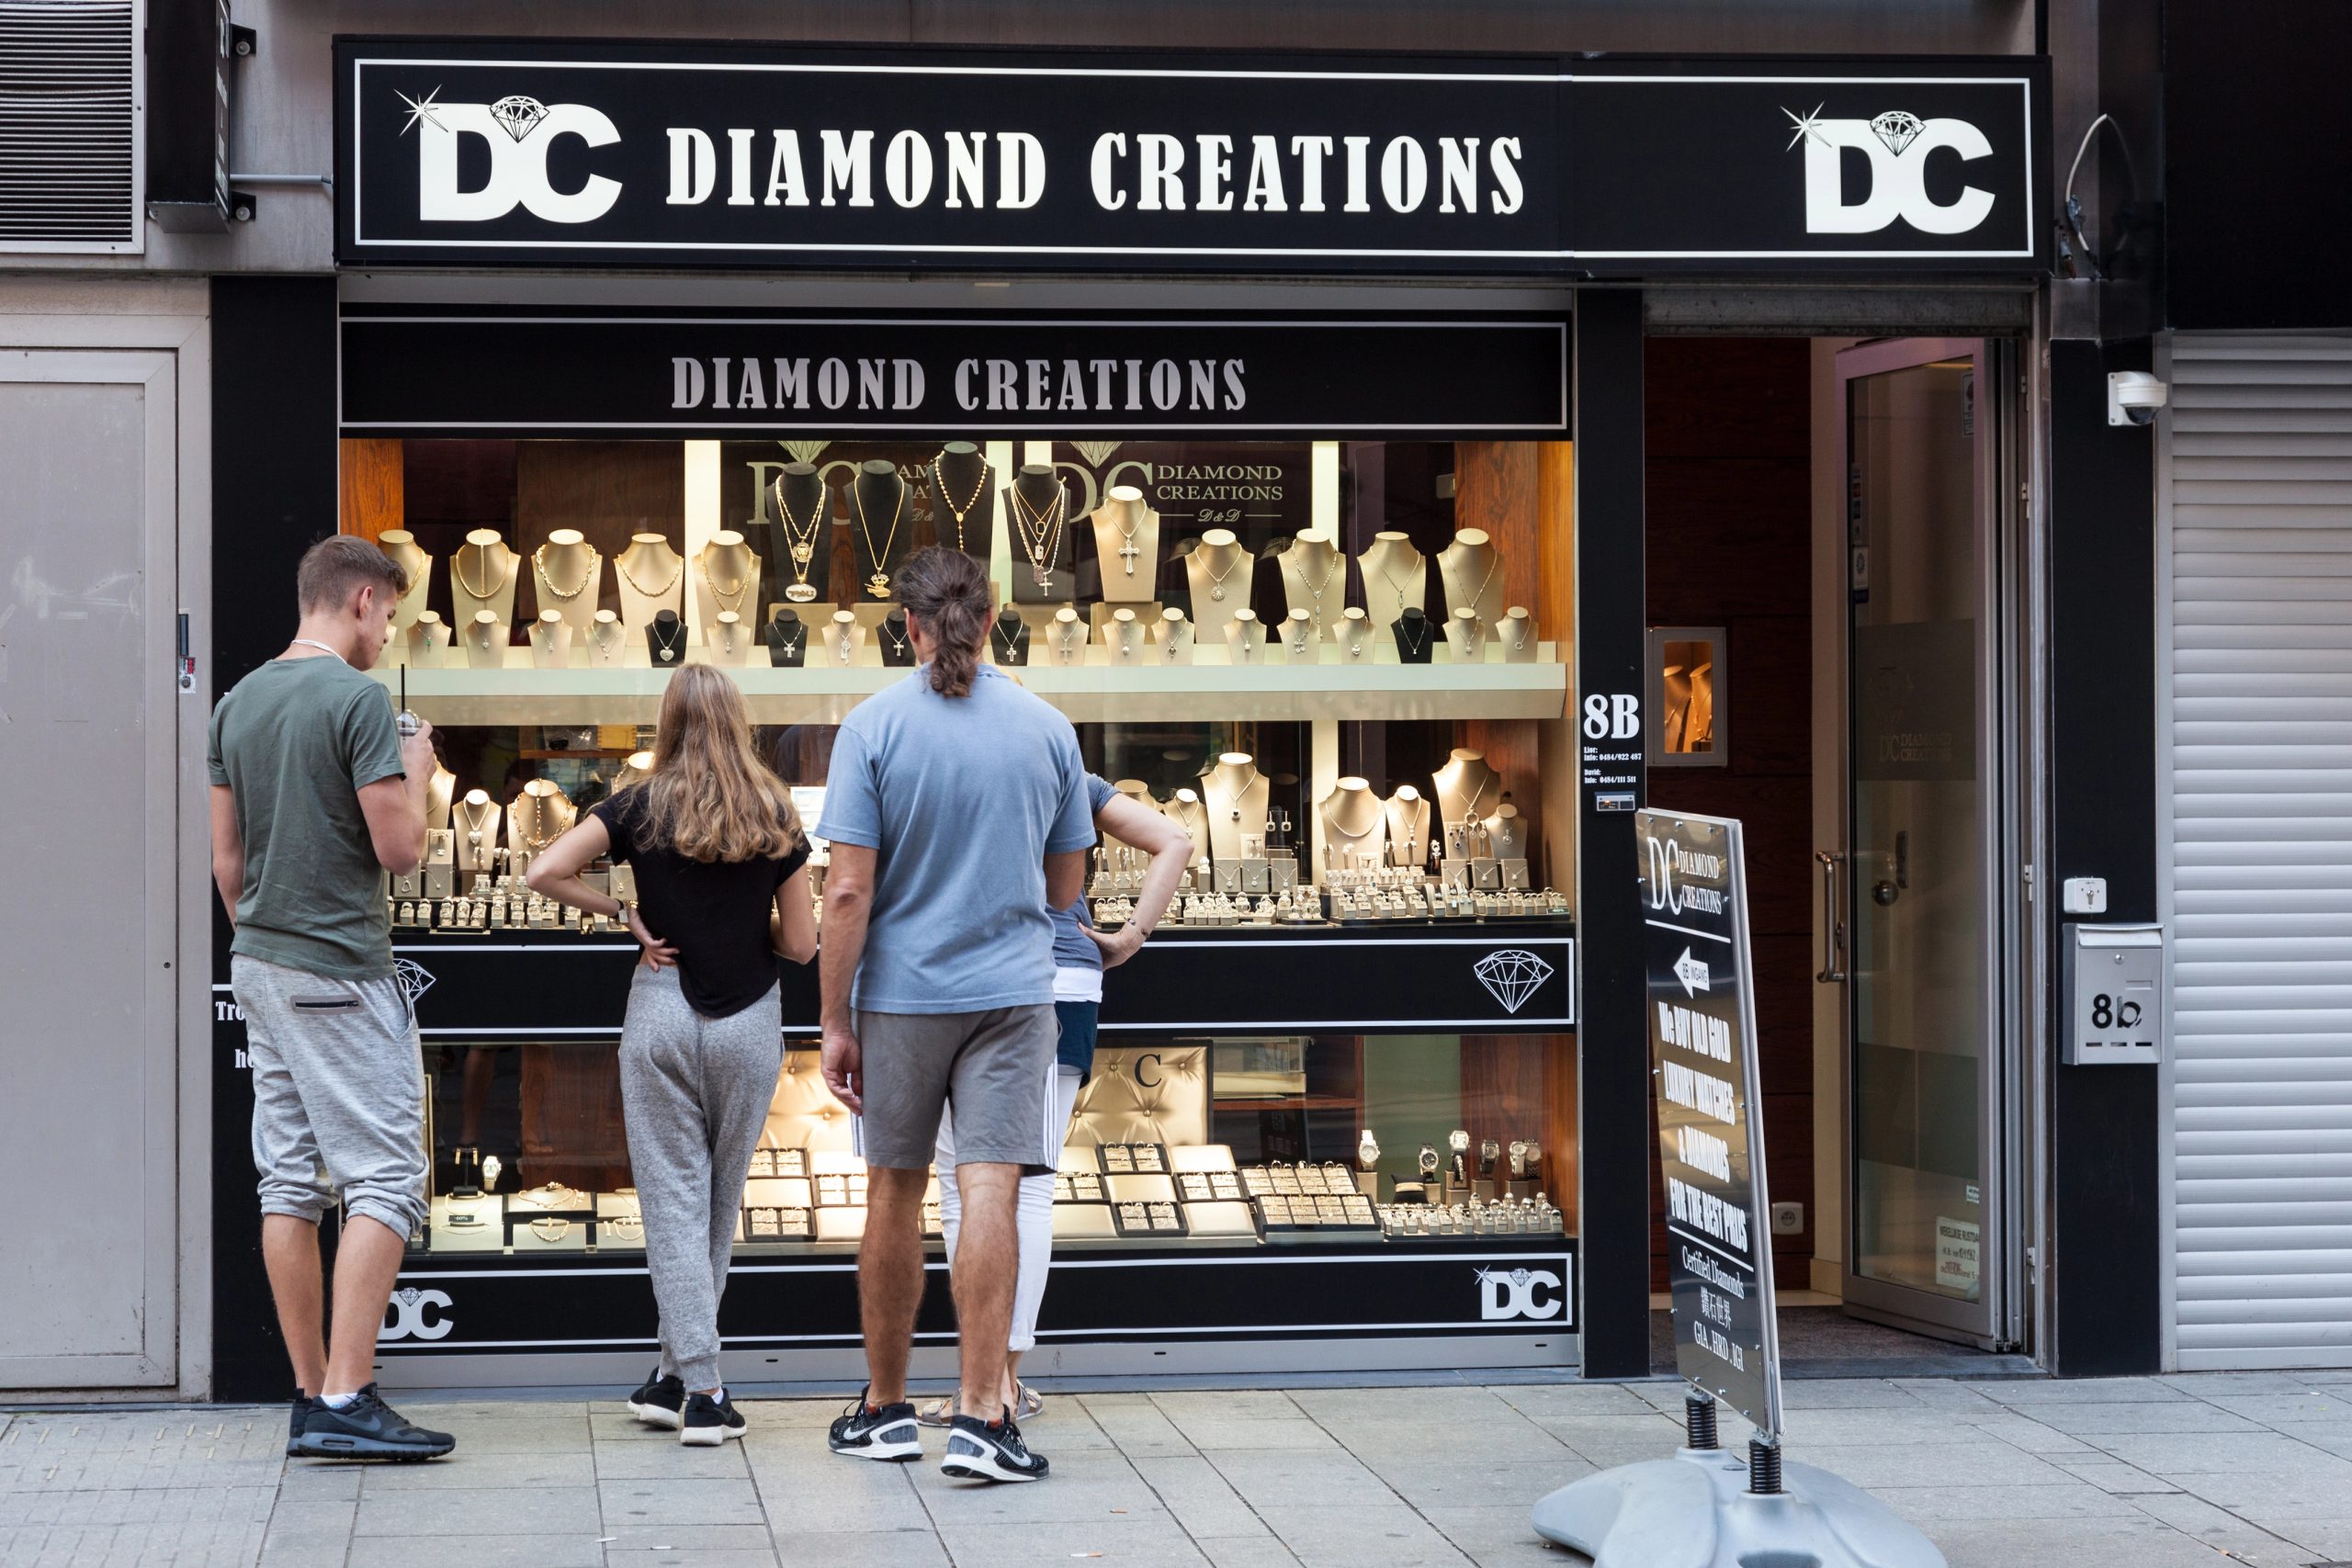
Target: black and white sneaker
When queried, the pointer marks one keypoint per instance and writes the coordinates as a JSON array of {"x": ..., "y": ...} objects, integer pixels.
[
  {"x": 366, "y": 1427},
  {"x": 660, "y": 1402},
  {"x": 979, "y": 1451},
  {"x": 869, "y": 1431},
  {"x": 294, "y": 1420},
  {"x": 709, "y": 1422}
]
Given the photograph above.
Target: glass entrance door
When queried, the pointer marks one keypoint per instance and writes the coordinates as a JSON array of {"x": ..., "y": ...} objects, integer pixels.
[{"x": 1923, "y": 1059}]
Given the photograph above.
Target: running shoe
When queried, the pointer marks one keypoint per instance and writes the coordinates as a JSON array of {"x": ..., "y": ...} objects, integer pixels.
[
  {"x": 886, "y": 1432},
  {"x": 980, "y": 1451},
  {"x": 366, "y": 1427},
  {"x": 294, "y": 1419},
  {"x": 709, "y": 1422},
  {"x": 661, "y": 1402}
]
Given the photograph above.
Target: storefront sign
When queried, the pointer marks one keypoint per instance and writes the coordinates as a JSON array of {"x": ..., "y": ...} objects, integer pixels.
[
  {"x": 666, "y": 374},
  {"x": 1710, "y": 1123},
  {"x": 541, "y": 153}
]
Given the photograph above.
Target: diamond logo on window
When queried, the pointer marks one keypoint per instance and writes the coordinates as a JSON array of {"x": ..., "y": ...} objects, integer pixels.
[
  {"x": 415, "y": 978},
  {"x": 1512, "y": 975}
]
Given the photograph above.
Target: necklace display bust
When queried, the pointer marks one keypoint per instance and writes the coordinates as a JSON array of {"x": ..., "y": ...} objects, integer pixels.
[
  {"x": 1175, "y": 634},
  {"x": 1219, "y": 573},
  {"x": 1516, "y": 634},
  {"x": 1037, "y": 515},
  {"x": 1315, "y": 579},
  {"x": 1415, "y": 634},
  {"x": 1355, "y": 828},
  {"x": 1009, "y": 637},
  {"x": 402, "y": 547},
  {"x": 844, "y": 639},
  {"x": 665, "y": 641},
  {"x": 482, "y": 577},
  {"x": 1236, "y": 794},
  {"x": 1396, "y": 577},
  {"x": 427, "y": 640},
  {"x": 730, "y": 640},
  {"x": 1353, "y": 633},
  {"x": 652, "y": 576},
  {"x": 1466, "y": 786},
  {"x": 485, "y": 638},
  {"x": 607, "y": 641},
  {"x": 1408, "y": 827},
  {"x": 897, "y": 643},
  {"x": 727, "y": 579},
  {"x": 475, "y": 824},
  {"x": 1243, "y": 643},
  {"x": 963, "y": 503},
  {"x": 1123, "y": 635},
  {"x": 567, "y": 576},
  {"x": 881, "y": 536},
  {"x": 800, "y": 509},
  {"x": 1185, "y": 810},
  {"x": 1066, "y": 637},
  {"x": 1126, "y": 547},
  {"x": 1472, "y": 569},
  {"x": 788, "y": 638},
  {"x": 551, "y": 641},
  {"x": 1465, "y": 638}
]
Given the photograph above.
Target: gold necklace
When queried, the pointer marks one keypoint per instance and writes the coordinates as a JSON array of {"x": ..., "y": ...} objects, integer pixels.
[
  {"x": 742, "y": 585},
  {"x": 539, "y": 565},
  {"x": 1043, "y": 545},
  {"x": 879, "y": 584},
  {"x": 800, "y": 541},
  {"x": 939, "y": 477},
  {"x": 457, "y": 569},
  {"x": 620, "y": 565}
]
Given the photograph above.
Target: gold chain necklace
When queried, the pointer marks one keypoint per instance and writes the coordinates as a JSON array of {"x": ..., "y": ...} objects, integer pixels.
[
  {"x": 879, "y": 584},
  {"x": 800, "y": 542},
  {"x": 620, "y": 565},
  {"x": 939, "y": 477},
  {"x": 539, "y": 565},
  {"x": 742, "y": 585},
  {"x": 1043, "y": 545},
  {"x": 457, "y": 569}
]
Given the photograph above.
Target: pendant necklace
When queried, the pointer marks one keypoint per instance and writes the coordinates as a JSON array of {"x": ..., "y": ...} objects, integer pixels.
[
  {"x": 939, "y": 479},
  {"x": 800, "y": 541},
  {"x": 540, "y": 564},
  {"x": 1216, "y": 580},
  {"x": 897, "y": 641},
  {"x": 620, "y": 565},
  {"x": 1414, "y": 647},
  {"x": 1314, "y": 590},
  {"x": 1420, "y": 562},
  {"x": 481, "y": 554},
  {"x": 1040, "y": 531},
  {"x": 1007, "y": 648},
  {"x": 666, "y": 644},
  {"x": 1129, "y": 551},
  {"x": 1243, "y": 792},
  {"x": 742, "y": 585},
  {"x": 1496, "y": 560},
  {"x": 879, "y": 584}
]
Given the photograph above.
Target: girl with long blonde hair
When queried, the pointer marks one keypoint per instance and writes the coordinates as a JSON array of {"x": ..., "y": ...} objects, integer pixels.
[{"x": 722, "y": 870}]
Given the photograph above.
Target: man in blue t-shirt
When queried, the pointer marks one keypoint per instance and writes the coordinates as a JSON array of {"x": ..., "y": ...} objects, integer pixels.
[{"x": 956, "y": 810}]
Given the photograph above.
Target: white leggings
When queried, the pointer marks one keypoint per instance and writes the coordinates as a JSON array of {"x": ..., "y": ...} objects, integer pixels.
[{"x": 1037, "y": 1216}]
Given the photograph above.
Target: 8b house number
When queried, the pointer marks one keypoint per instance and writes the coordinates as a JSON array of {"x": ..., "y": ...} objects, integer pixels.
[{"x": 1611, "y": 715}]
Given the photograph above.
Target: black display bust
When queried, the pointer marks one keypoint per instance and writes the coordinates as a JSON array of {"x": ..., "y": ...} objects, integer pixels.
[
  {"x": 788, "y": 641},
  {"x": 1414, "y": 634},
  {"x": 897, "y": 643},
  {"x": 665, "y": 639},
  {"x": 1009, "y": 638}
]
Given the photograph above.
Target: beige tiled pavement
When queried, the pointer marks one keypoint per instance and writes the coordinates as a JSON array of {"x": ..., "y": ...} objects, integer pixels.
[{"x": 2253, "y": 1469}]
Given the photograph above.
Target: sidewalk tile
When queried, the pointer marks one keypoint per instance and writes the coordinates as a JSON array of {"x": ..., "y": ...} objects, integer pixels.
[
  {"x": 1953, "y": 1464},
  {"x": 1498, "y": 1537},
  {"x": 2218, "y": 1527},
  {"x": 477, "y": 1471},
  {"x": 2076, "y": 1390},
  {"x": 1605, "y": 1440},
  {"x": 569, "y": 1548},
  {"x": 863, "y": 1549},
  {"x": 2034, "y": 1436},
  {"x": 298, "y": 1548},
  {"x": 2091, "y": 1419},
  {"x": 1286, "y": 1478},
  {"x": 715, "y": 1500},
  {"x": 684, "y": 1537},
  {"x": 1143, "y": 1543},
  {"x": 491, "y": 1511},
  {"x": 1839, "y": 1393},
  {"x": 1927, "y": 1506},
  {"x": 646, "y": 1461},
  {"x": 1227, "y": 1404},
  {"x": 1549, "y": 1401},
  {"x": 2068, "y": 1544},
  {"x": 2269, "y": 1499},
  {"x": 1199, "y": 1496},
  {"x": 1295, "y": 1434},
  {"x": 1453, "y": 1481},
  {"x": 2321, "y": 1403},
  {"x": 734, "y": 1557},
  {"x": 311, "y": 1516},
  {"x": 533, "y": 1434},
  {"x": 1846, "y": 1424},
  {"x": 1392, "y": 1536},
  {"x": 1260, "y": 1550},
  {"x": 2199, "y": 1453},
  {"x": 2112, "y": 1474}
]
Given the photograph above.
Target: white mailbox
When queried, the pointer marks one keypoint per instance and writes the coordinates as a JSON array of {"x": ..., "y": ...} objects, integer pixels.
[{"x": 2114, "y": 978}]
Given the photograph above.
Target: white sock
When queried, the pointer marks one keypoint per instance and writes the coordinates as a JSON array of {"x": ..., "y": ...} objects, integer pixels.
[{"x": 336, "y": 1401}]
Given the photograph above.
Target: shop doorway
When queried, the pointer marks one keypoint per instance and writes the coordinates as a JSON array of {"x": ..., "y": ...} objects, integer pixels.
[{"x": 1919, "y": 928}]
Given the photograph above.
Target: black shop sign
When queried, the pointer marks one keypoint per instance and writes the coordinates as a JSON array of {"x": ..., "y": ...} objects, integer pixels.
[
  {"x": 428, "y": 371},
  {"x": 477, "y": 153},
  {"x": 1702, "y": 994}
]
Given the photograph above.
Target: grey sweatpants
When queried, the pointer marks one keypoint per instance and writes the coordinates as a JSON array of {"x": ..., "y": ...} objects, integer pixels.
[
  {"x": 338, "y": 1094},
  {"x": 696, "y": 1092}
]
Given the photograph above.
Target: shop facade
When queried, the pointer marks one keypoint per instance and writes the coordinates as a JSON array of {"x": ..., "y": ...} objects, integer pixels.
[{"x": 1351, "y": 310}]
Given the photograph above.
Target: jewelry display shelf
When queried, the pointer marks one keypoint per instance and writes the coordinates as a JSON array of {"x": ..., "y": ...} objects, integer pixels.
[{"x": 1205, "y": 690}]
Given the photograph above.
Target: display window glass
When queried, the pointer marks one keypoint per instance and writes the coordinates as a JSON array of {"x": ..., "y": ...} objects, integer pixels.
[{"x": 1337, "y": 664}]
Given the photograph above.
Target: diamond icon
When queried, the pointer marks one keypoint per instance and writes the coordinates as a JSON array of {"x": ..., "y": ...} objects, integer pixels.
[
  {"x": 1897, "y": 130},
  {"x": 805, "y": 451},
  {"x": 1095, "y": 451},
  {"x": 1512, "y": 975},
  {"x": 415, "y": 978},
  {"x": 518, "y": 116}
]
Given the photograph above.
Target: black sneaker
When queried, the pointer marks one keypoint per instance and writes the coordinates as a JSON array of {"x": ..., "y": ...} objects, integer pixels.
[
  {"x": 660, "y": 1402},
  {"x": 367, "y": 1427},
  {"x": 977, "y": 1451},
  {"x": 710, "y": 1422},
  {"x": 866, "y": 1431},
  {"x": 294, "y": 1419}
]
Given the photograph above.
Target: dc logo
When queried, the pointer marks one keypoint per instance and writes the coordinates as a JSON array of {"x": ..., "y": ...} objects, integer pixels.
[
  {"x": 416, "y": 1315},
  {"x": 1897, "y": 145},
  {"x": 1522, "y": 1293},
  {"x": 517, "y": 131}
]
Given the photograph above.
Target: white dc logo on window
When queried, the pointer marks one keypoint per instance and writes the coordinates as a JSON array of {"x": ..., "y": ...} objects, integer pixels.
[
  {"x": 517, "y": 131},
  {"x": 1897, "y": 145},
  {"x": 416, "y": 1315},
  {"x": 1522, "y": 1293}
]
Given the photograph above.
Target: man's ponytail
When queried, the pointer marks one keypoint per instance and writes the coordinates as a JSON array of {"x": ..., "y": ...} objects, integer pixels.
[{"x": 948, "y": 593}]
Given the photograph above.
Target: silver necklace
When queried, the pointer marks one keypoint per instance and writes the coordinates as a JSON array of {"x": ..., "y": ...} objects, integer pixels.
[
  {"x": 1216, "y": 582},
  {"x": 1315, "y": 588},
  {"x": 1414, "y": 647},
  {"x": 897, "y": 643},
  {"x": 323, "y": 648}
]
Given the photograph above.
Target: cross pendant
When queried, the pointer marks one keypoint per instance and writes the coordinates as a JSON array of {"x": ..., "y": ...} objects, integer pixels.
[{"x": 1128, "y": 554}]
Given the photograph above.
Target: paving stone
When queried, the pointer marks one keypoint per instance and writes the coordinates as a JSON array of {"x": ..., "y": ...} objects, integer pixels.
[
  {"x": 179, "y": 1506},
  {"x": 2318, "y": 1405},
  {"x": 864, "y": 1549},
  {"x": 492, "y": 1510},
  {"x": 320, "y": 1480},
  {"x": 2093, "y": 1419},
  {"x": 1953, "y": 1464},
  {"x": 2068, "y": 1544},
  {"x": 1433, "y": 1406},
  {"x": 1260, "y": 1550},
  {"x": 633, "y": 1537},
  {"x": 311, "y": 1516},
  {"x": 2329, "y": 1538},
  {"x": 1134, "y": 1424},
  {"x": 715, "y": 1500},
  {"x": 1457, "y": 1482},
  {"x": 1230, "y": 1405},
  {"x": 1550, "y": 1401},
  {"x": 1929, "y": 1506},
  {"x": 1198, "y": 1496},
  {"x": 2270, "y": 1499},
  {"x": 302, "y": 1549},
  {"x": 570, "y": 1548},
  {"x": 2111, "y": 1474},
  {"x": 2174, "y": 1454},
  {"x": 2034, "y": 1436},
  {"x": 533, "y": 1434},
  {"x": 642, "y": 1462},
  {"x": 1606, "y": 1441},
  {"x": 1840, "y": 1393},
  {"x": 1393, "y": 1537},
  {"x": 1873, "y": 1424},
  {"x": 677, "y": 1557},
  {"x": 1150, "y": 1543},
  {"x": 473, "y": 1472},
  {"x": 2218, "y": 1527},
  {"x": 1497, "y": 1536},
  {"x": 2076, "y": 1390},
  {"x": 1297, "y": 1433}
]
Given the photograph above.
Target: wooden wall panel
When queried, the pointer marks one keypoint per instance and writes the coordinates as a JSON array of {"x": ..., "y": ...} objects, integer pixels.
[
  {"x": 607, "y": 489},
  {"x": 373, "y": 500}
]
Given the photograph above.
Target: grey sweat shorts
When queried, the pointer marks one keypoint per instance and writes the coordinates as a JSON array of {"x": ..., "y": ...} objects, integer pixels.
[
  {"x": 995, "y": 1067},
  {"x": 338, "y": 1094}
]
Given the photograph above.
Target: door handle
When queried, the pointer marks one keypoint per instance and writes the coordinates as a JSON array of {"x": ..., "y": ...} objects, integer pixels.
[{"x": 1833, "y": 929}]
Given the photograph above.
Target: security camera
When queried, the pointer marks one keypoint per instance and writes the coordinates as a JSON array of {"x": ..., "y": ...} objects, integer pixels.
[{"x": 2133, "y": 397}]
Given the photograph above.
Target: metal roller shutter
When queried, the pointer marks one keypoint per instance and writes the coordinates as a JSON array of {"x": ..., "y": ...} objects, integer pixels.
[{"x": 2259, "y": 502}]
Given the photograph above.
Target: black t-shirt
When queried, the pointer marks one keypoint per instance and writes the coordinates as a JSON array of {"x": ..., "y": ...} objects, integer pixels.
[{"x": 715, "y": 913}]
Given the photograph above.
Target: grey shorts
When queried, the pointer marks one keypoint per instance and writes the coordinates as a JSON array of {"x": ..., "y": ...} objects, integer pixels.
[
  {"x": 995, "y": 1067},
  {"x": 338, "y": 1094}
]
